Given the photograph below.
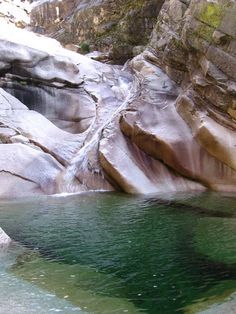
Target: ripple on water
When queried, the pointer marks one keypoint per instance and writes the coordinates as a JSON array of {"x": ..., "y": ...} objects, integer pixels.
[
  {"x": 20, "y": 296},
  {"x": 111, "y": 253}
]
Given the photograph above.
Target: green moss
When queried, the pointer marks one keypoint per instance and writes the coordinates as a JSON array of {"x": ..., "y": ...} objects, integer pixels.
[
  {"x": 208, "y": 18},
  {"x": 211, "y": 14},
  {"x": 85, "y": 47},
  {"x": 138, "y": 4},
  {"x": 205, "y": 32}
]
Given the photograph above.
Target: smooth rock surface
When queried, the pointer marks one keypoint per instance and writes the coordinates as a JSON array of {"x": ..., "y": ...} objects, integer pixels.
[
  {"x": 154, "y": 125},
  {"x": 165, "y": 122},
  {"x": 81, "y": 104}
]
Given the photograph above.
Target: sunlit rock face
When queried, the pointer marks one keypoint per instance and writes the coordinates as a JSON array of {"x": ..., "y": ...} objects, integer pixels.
[
  {"x": 46, "y": 83},
  {"x": 195, "y": 43},
  {"x": 112, "y": 26}
]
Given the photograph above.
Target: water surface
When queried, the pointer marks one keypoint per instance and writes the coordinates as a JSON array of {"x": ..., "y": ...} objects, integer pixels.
[{"x": 112, "y": 253}]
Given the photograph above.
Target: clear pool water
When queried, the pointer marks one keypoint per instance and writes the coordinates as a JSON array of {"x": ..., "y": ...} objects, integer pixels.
[{"x": 112, "y": 253}]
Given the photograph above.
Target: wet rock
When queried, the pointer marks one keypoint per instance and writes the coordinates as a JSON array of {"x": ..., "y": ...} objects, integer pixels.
[{"x": 70, "y": 109}]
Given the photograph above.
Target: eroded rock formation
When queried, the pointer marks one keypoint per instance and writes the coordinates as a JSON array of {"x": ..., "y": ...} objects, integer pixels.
[
  {"x": 73, "y": 91},
  {"x": 165, "y": 122}
]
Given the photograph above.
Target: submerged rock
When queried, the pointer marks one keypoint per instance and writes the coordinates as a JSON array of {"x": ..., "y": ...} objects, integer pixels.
[
  {"x": 80, "y": 284},
  {"x": 220, "y": 299},
  {"x": 215, "y": 239}
]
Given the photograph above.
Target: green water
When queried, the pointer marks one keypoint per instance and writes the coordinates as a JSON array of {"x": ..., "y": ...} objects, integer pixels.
[{"x": 111, "y": 253}]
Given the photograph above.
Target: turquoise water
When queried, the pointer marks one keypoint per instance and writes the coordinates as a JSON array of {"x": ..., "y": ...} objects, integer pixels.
[{"x": 112, "y": 253}]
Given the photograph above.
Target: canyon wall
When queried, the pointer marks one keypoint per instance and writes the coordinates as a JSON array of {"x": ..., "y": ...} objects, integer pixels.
[
  {"x": 195, "y": 43},
  {"x": 116, "y": 27}
]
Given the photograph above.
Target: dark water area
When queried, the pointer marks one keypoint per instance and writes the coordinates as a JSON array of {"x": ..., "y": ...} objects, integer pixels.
[{"x": 112, "y": 253}]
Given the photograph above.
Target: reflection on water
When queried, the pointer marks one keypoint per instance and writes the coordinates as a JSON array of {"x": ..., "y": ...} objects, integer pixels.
[{"x": 111, "y": 253}]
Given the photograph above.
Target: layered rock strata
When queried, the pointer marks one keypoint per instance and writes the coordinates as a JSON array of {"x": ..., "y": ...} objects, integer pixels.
[{"x": 194, "y": 42}]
